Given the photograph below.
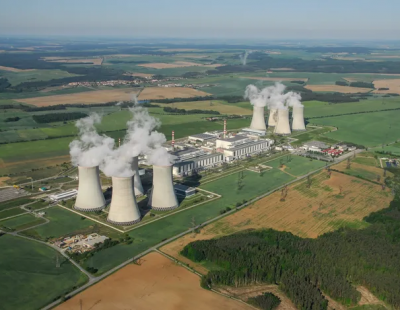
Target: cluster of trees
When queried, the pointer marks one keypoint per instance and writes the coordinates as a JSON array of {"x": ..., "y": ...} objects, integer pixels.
[
  {"x": 58, "y": 117},
  {"x": 362, "y": 84},
  {"x": 4, "y": 84},
  {"x": 266, "y": 301},
  {"x": 307, "y": 95},
  {"x": 195, "y": 111},
  {"x": 108, "y": 243},
  {"x": 304, "y": 268},
  {"x": 12, "y": 119}
]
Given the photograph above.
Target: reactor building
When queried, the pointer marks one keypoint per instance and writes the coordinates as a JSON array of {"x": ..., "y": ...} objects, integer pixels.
[
  {"x": 298, "y": 119},
  {"x": 163, "y": 197},
  {"x": 273, "y": 116},
  {"x": 137, "y": 183},
  {"x": 90, "y": 196},
  {"x": 282, "y": 126},
  {"x": 258, "y": 120},
  {"x": 124, "y": 210}
]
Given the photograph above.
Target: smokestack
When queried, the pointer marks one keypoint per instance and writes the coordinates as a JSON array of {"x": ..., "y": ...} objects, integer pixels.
[
  {"x": 258, "y": 120},
  {"x": 137, "y": 183},
  {"x": 163, "y": 196},
  {"x": 298, "y": 119},
  {"x": 173, "y": 140},
  {"x": 273, "y": 116},
  {"x": 119, "y": 142},
  {"x": 282, "y": 127},
  {"x": 90, "y": 196},
  {"x": 124, "y": 210},
  {"x": 224, "y": 128}
]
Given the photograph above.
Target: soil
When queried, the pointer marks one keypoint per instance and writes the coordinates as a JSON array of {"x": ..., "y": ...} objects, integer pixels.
[
  {"x": 367, "y": 298},
  {"x": 3, "y": 181},
  {"x": 338, "y": 88},
  {"x": 158, "y": 283}
]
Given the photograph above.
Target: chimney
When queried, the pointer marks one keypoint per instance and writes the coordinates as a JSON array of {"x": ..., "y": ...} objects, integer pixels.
[
  {"x": 224, "y": 128},
  {"x": 173, "y": 140}
]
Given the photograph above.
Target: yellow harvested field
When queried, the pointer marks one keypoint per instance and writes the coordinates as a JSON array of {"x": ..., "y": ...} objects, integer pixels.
[
  {"x": 158, "y": 283},
  {"x": 392, "y": 84},
  {"x": 90, "y": 97},
  {"x": 94, "y": 61},
  {"x": 170, "y": 92},
  {"x": 338, "y": 89},
  {"x": 3, "y": 181},
  {"x": 15, "y": 69},
  {"x": 307, "y": 212},
  {"x": 205, "y": 105},
  {"x": 177, "y": 64},
  {"x": 349, "y": 79},
  {"x": 276, "y": 79},
  {"x": 37, "y": 163}
]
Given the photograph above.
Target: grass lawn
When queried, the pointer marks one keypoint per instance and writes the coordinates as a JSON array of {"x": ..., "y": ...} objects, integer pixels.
[
  {"x": 11, "y": 212},
  {"x": 62, "y": 222},
  {"x": 29, "y": 276},
  {"x": 296, "y": 165},
  {"x": 317, "y": 134},
  {"x": 14, "y": 203},
  {"x": 21, "y": 222}
]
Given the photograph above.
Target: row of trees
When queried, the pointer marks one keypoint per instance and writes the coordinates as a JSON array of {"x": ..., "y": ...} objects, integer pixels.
[
  {"x": 58, "y": 117},
  {"x": 355, "y": 84},
  {"x": 195, "y": 111},
  {"x": 304, "y": 268}
]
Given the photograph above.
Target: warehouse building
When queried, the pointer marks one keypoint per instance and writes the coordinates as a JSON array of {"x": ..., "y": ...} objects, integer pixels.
[
  {"x": 186, "y": 165},
  {"x": 248, "y": 148},
  {"x": 64, "y": 195},
  {"x": 202, "y": 137},
  {"x": 185, "y": 191}
]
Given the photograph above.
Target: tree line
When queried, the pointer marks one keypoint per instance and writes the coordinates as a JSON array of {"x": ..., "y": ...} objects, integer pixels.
[
  {"x": 195, "y": 111},
  {"x": 58, "y": 117},
  {"x": 304, "y": 268}
]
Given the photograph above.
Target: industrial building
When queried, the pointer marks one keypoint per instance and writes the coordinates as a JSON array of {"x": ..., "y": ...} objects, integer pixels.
[
  {"x": 202, "y": 161},
  {"x": 64, "y": 195},
  {"x": 90, "y": 195},
  {"x": 162, "y": 196},
  {"x": 185, "y": 191},
  {"x": 314, "y": 146},
  {"x": 246, "y": 149},
  {"x": 203, "y": 137}
]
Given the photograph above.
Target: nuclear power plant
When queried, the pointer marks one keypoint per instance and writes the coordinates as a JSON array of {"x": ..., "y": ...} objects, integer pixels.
[
  {"x": 90, "y": 196},
  {"x": 124, "y": 210},
  {"x": 273, "y": 116},
  {"x": 137, "y": 183},
  {"x": 282, "y": 126},
  {"x": 163, "y": 197},
  {"x": 258, "y": 120},
  {"x": 298, "y": 119}
]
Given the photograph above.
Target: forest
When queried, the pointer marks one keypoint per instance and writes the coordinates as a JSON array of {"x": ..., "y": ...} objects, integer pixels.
[
  {"x": 58, "y": 117},
  {"x": 195, "y": 111},
  {"x": 306, "y": 269}
]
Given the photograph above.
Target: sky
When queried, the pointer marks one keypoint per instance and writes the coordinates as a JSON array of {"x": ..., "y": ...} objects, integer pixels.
[{"x": 215, "y": 19}]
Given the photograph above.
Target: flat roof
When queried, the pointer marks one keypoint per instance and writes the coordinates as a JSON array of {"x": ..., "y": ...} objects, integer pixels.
[
  {"x": 183, "y": 188},
  {"x": 197, "y": 158},
  {"x": 244, "y": 145},
  {"x": 185, "y": 151},
  {"x": 203, "y": 136},
  {"x": 316, "y": 144},
  {"x": 234, "y": 138}
]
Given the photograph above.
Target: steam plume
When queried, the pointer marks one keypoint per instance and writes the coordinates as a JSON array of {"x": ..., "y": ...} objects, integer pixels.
[{"x": 243, "y": 57}]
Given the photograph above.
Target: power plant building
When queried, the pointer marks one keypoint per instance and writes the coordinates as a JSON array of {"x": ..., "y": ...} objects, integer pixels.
[
  {"x": 90, "y": 195},
  {"x": 185, "y": 191},
  {"x": 282, "y": 126},
  {"x": 258, "y": 120},
  {"x": 248, "y": 148},
  {"x": 162, "y": 196},
  {"x": 298, "y": 119}
]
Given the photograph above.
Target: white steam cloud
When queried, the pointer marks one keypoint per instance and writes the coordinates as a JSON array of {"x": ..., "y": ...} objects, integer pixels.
[
  {"x": 90, "y": 148},
  {"x": 243, "y": 57},
  {"x": 272, "y": 97}
]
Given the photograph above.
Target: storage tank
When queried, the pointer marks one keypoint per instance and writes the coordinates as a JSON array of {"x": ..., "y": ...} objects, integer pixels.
[
  {"x": 137, "y": 183},
  {"x": 162, "y": 195},
  {"x": 282, "y": 126},
  {"x": 273, "y": 116},
  {"x": 90, "y": 196},
  {"x": 258, "y": 120},
  {"x": 123, "y": 209},
  {"x": 298, "y": 119}
]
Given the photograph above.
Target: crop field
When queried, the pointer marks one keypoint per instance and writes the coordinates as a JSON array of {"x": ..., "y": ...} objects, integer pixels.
[
  {"x": 318, "y": 134},
  {"x": 11, "y": 69},
  {"x": 295, "y": 165},
  {"x": 69, "y": 60},
  {"x": 14, "y": 203},
  {"x": 393, "y": 85},
  {"x": 276, "y": 79},
  {"x": 62, "y": 222},
  {"x": 177, "y": 64},
  {"x": 29, "y": 276},
  {"x": 368, "y": 172},
  {"x": 223, "y": 108},
  {"x": 328, "y": 204},
  {"x": 170, "y": 92},
  {"x": 89, "y": 97},
  {"x": 157, "y": 281},
  {"x": 18, "y": 76},
  {"x": 21, "y": 222},
  {"x": 337, "y": 89},
  {"x": 369, "y": 129},
  {"x": 11, "y": 212}
]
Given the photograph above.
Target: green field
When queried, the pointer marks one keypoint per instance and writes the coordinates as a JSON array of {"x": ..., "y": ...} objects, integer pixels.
[
  {"x": 11, "y": 212},
  {"x": 296, "y": 165},
  {"x": 29, "y": 276},
  {"x": 369, "y": 129},
  {"x": 21, "y": 222},
  {"x": 14, "y": 203},
  {"x": 62, "y": 222},
  {"x": 35, "y": 75}
]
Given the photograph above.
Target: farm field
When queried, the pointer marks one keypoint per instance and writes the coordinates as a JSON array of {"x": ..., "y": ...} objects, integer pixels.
[
  {"x": 368, "y": 172},
  {"x": 217, "y": 105},
  {"x": 177, "y": 64},
  {"x": 157, "y": 281},
  {"x": 276, "y": 79},
  {"x": 368, "y": 129},
  {"x": 17, "y": 76},
  {"x": 295, "y": 165},
  {"x": 393, "y": 85},
  {"x": 14, "y": 203},
  {"x": 306, "y": 212},
  {"x": 62, "y": 222},
  {"x": 11, "y": 212},
  {"x": 89, "y": 97},
  {"x": 28, "y": 270},
  {"x": 170, "y": 92},
  {"x": 337, "y": 88},
  {"x": 21, "y": 222}
]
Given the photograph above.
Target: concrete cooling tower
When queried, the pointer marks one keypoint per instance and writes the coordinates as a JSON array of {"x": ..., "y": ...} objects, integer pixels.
[
  {"x": 298, "y": 119},
  {"x": 163, "y": 196},
  {"x": 273, "y": 116},
  {"x": 258, "y": 120},
  {"x": 123, "y": 209},
  {"x": 90, "y": 196},
  {"x": 282, "y": 126},
  {"x": 137, "y": 183}
]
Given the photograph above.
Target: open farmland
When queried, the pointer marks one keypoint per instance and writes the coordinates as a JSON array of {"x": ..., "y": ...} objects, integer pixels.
[
  {"x": 295, "y": 165},
  {"x": 177, "y": 64},
  {"x": 223, "y": 108},
  {"x": 276, "y": 79},
  {"x": 90, "y": 97},
  {"x": 29, "y": 276},
  {"x": 21, "y": 222},
  {"x": 338, "y": 89},
  {"x": 68, "y": 60},
  {"x": 15, "y": 69},
  {"x": 170, "y": 92},
  {"x": 393, "y": 85},
  {"x": 156, "y": 283},
  {"x": 306, "y": 212}
]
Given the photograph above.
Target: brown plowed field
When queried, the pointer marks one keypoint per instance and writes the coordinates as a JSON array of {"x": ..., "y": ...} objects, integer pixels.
[
  {"x": 90, "y": 97},
  {"x": 14, "y": 69},
  {"x": 306, "y": 212},
  {"x": 158, "y": 283},
  {"x": 337, "y": 88},
  {"x": 392, "y": 84},
  {"x": 93, "y": 61},
  {"x": 170, "y": 92}
]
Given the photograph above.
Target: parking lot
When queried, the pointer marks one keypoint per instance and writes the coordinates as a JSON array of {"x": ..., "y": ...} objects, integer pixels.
[{"x": 12, "y": 193}]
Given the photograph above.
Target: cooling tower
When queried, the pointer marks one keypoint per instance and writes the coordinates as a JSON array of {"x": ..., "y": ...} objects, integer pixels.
[
  {"x": 137, "y": 183},
  {"x": 282, "y": 126},
  {"x": 258, "y": 120},
  {"x": 298, "y": 119},
  {"x": 273, "y": 116},
  {"x": 90, "y": 196},
  {"x": 123, "y": 209},
  {"x": 162, "y": 195}
]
